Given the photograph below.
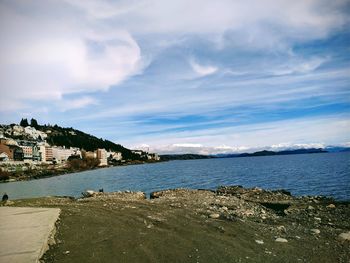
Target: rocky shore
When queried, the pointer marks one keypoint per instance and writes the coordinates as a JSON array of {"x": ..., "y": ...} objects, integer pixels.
[
  {"x": 45, "y": 171},
  {"x": 231, "y": 224}
]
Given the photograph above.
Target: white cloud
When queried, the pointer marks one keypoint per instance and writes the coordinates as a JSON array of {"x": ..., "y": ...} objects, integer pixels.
[
  {"x": 188, "y": 145},
  {"x": 249, "y": 23},
  {"x": 79, "y": 103},
  {"x": 285, "y": 146},
  {"x": 202, "y": 70},
  {"x": 294, "y": 133},
  {"x": 300, "y": 66},
  {"x": 42, "y": 59},
  {"x": 50, "y": 49}
]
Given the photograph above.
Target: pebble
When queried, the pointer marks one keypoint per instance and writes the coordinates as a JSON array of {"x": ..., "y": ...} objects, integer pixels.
[
  {"x": 315, "y": 231},
  {"x": 282, "y": 228},
  {"x": 344, "y": 236},
  {"x": 260, "y": 242},
  {"x": 66, "y": 252},
  {"x": 214, "y": 216},
  {"x": 310, "y": 207},
  {"x": 281, "y": 240},
  {"x": 331, "y": 206}
]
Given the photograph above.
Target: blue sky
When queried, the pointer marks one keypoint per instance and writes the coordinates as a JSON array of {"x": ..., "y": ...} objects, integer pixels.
[{"x": 179, "y": 76}]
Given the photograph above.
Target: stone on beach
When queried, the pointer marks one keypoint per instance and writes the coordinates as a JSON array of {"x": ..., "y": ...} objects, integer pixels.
[
  {"x": 281, "y": 240},
  {"x": 315, "y": 231},
  {"x": 89, "y": 193},
  {"x": 344, "y": 236},
  {"x": 214, "y": 216}
]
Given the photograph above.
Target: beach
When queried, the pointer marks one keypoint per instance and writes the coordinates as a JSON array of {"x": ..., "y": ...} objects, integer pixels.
[{"x": 231, "y": 224}]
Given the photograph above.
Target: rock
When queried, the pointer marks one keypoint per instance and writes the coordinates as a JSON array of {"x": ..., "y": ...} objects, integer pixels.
[
  {"x": 331, "y": 206},
  {"x": 281, "y": 240},
  {"x": 344, "y": 236},
  {"x": 260, "y": 242},
  {"x": 318, "y": 219},
  {"x": 315, "y": 231},
  {"x": 310, "y": 207},
  {"x": 248, "y": 213},
  {"x": 88, "y": 193},
  {"x": 282, "y": 228},
  {"x": 66, "y": 252},
  {"x": 214, "y": 216},
  {"x": 221, "y": 229},
  {"x": 8, "y": 202}
]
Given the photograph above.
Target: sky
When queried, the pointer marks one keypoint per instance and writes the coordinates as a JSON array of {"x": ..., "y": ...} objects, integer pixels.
[{"x": 195, "y": 76}]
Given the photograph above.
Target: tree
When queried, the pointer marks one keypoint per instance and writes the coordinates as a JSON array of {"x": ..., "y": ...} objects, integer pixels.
[
  {"x": 34, "y": 123},
  {"x": 24, "y": 123}
]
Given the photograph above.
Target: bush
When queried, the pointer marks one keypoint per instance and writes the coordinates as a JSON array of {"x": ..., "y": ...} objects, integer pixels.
[
  {"x": 4, "y": 175},
  {"x": 82, "y": 164}
]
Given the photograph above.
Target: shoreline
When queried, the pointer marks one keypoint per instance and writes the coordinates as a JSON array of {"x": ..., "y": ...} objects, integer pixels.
[
  {"x": 40, "y": 174},
  {"x": 230, "y": 224},
  {"x": 52, "y": 172}
]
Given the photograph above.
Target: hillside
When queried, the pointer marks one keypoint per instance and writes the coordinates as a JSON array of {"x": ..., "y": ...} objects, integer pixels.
[{"x": 68, "y": 137}]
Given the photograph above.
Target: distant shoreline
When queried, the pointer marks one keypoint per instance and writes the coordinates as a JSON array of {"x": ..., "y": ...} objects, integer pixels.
[{"x": 43, "y": 174}]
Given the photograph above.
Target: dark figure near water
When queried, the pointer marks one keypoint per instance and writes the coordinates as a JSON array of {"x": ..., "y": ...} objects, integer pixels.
[
  {"x": 101, "y": 190},
  {"x": 5, "y": 197}
]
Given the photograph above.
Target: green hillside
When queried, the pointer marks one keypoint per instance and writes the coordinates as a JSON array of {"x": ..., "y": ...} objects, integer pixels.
[{"x": 70, "y": 137}]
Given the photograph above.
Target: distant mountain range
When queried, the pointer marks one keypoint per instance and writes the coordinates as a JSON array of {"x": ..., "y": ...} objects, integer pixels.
[
  {"x": 269, "y": 153},
  {"x": 328, "y": 149},
  {"x": 337, "y": 149}
]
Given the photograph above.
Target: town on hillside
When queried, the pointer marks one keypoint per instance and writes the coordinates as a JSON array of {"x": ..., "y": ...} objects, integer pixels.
[{"x": 23, "y": 147}]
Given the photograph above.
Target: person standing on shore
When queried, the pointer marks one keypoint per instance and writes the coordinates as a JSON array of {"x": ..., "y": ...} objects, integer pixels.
[{"x": 5, "y": 197}]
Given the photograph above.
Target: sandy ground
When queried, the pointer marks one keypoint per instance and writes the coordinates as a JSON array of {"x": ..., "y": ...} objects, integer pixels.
[{"x": 229, "y": 225}]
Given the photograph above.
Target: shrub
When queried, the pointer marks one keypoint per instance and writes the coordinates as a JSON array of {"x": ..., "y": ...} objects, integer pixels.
[
  {"x": 82, "y": 164},
  {"x": 4, "y": 175}
]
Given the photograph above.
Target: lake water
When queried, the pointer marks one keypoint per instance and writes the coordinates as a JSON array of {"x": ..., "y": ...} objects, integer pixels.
[{"x": 304, "y": 174}]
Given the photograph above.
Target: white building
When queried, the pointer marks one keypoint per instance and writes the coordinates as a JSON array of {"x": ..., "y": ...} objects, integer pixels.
[
  {"x": 115, "y": 155},
  {"x": 102, "y": 156},
  {"x": 61, "y": 154},
  {"x": 153, "y": 156},
  {"x": 42, "y": 152},
  {"x": 17, "y": 130}
]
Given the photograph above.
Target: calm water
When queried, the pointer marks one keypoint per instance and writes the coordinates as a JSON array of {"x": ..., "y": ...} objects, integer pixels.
[{"x": 306, "y": 174}]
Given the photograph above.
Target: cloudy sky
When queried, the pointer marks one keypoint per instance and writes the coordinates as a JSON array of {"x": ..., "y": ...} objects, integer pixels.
[{"x": 181, "y": 76}]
